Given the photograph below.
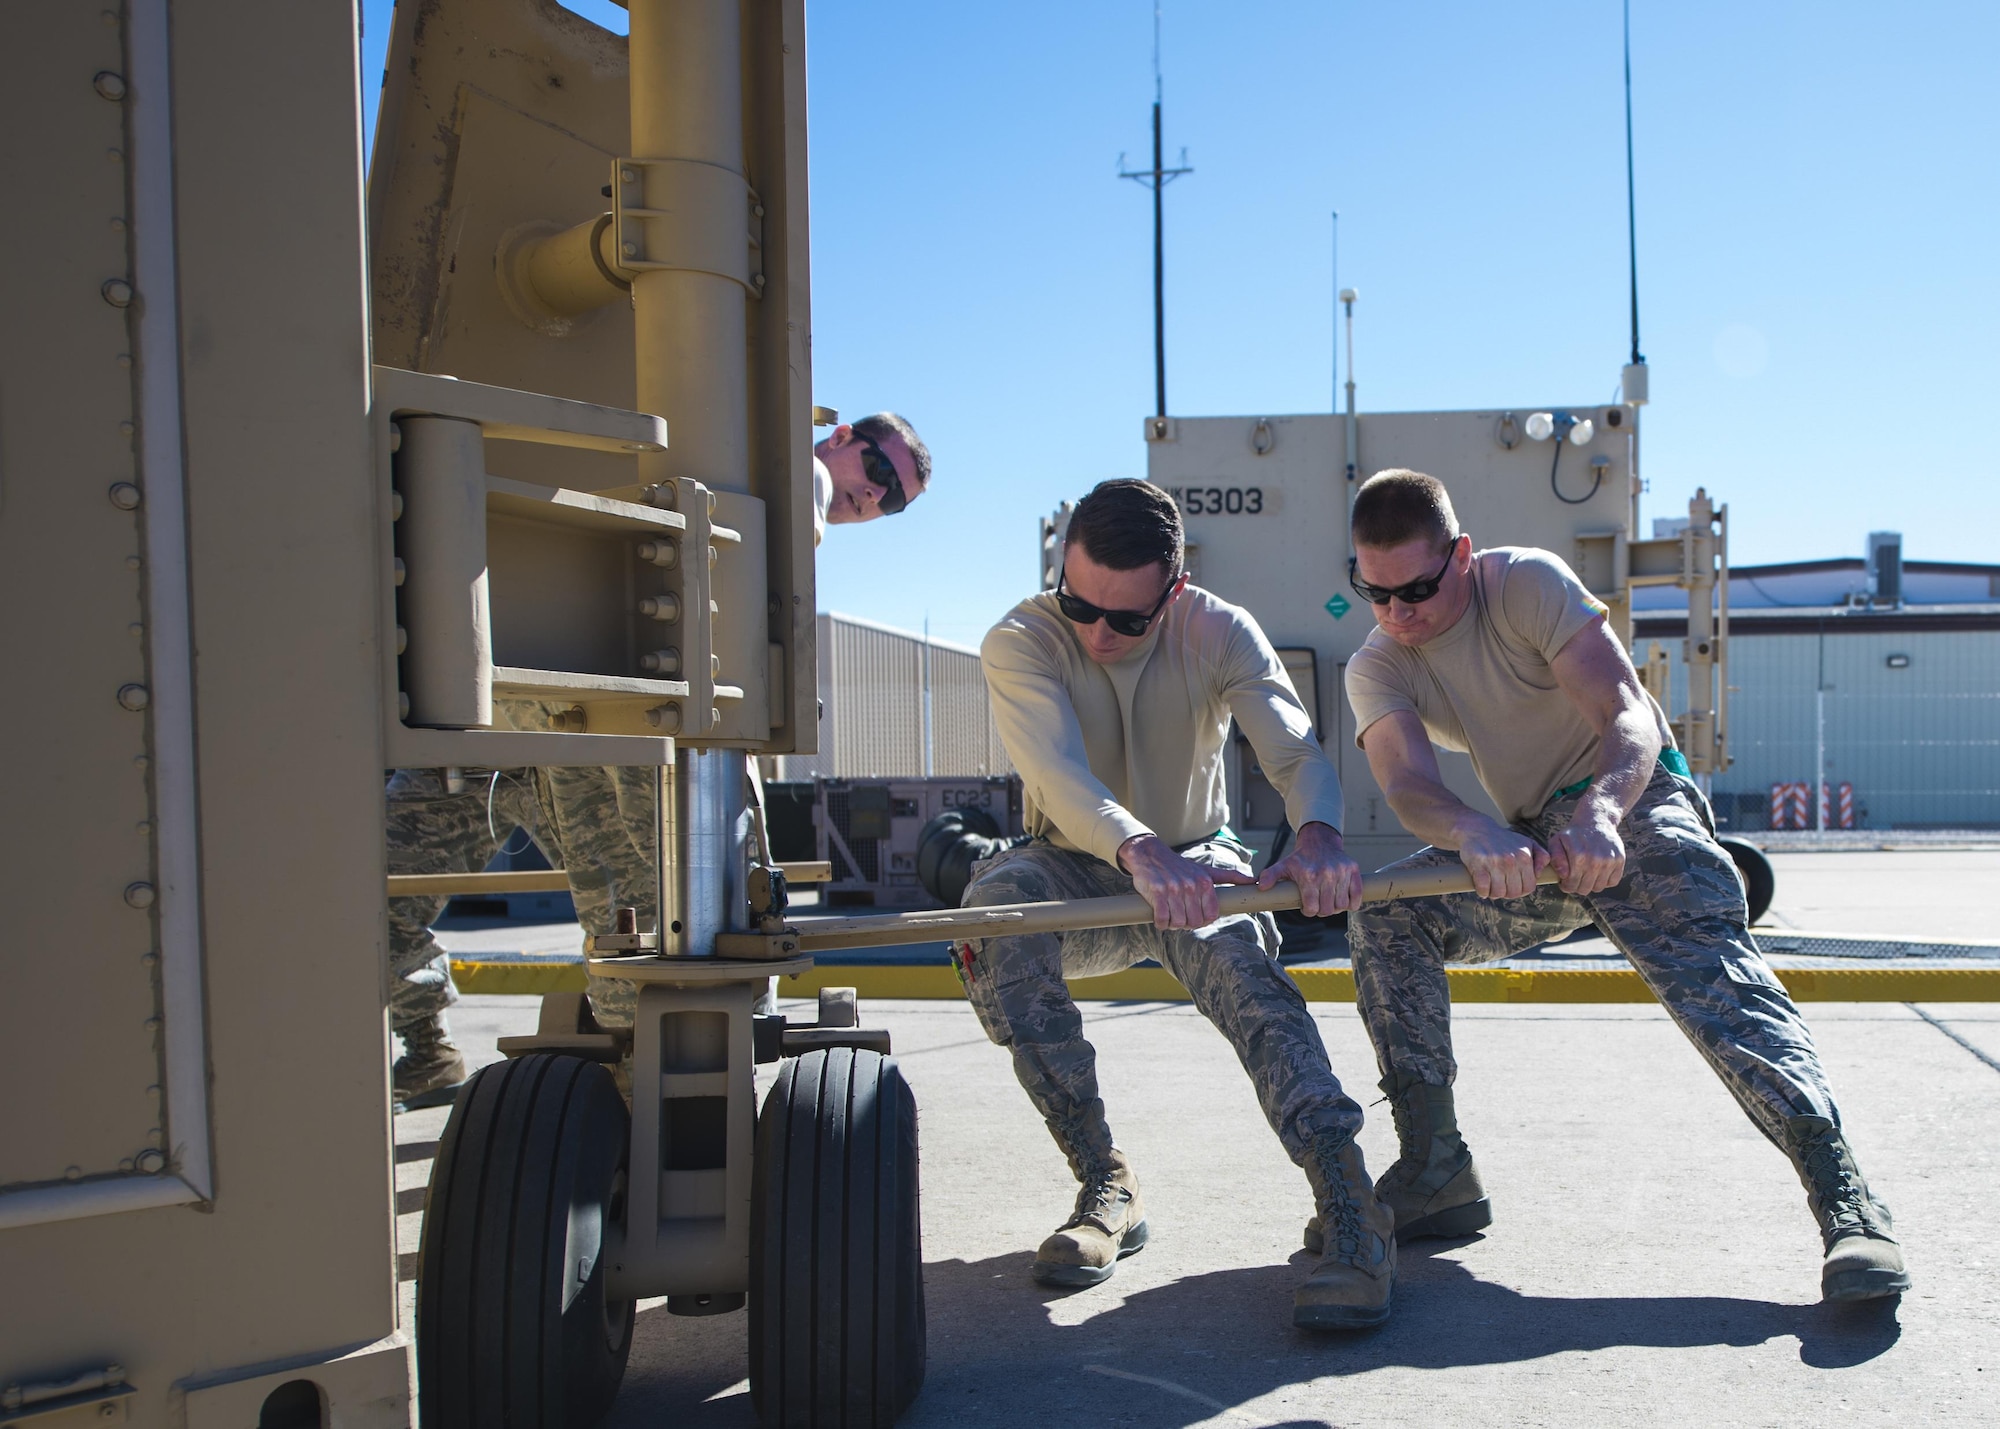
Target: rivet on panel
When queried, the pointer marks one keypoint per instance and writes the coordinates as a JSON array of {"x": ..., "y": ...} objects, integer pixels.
[
  {"x": 114, "y": 156},
  {"x": 631, "y": 250},
  {"x": 72, "y": 1173},
  {"x": 402, "y": 571},
  {"x": 402, "y": 706},
  {"x": 661, "y": 662},
  {"x": 663, "y": 494},
  {"x": 630, "y": 176},
  {"x": 665, "y": 718},
  {"x": 134, "y": 697},
  {"x": 117, "y": 225},
  {"x": 137, "y": 630},
  {"x": 661, "y": 607},
  {"x": 109, "y": 17},
  {"x": 660, "y": 553},
  {"x": 139, "y": 895},
  {"x": 124, "y": 495},
  {"x": 570, "y": 721},
  {"x": 149, "y": 959},
  {"x": 150, "y": 1162},
  {"x": 133, "y": 563},
  {"x": 714, "y": 666},
  {"x": 402, "y": 640},
  {"x": 108, "y": 84},
  {"x": 124, "y": 361},
  {"x": 395, "y": 437},
  {"x": 395, "y": 506},
  {"x": 125, "y": 429},
  {"x": 117, "y": 292},
  {"x": 714, "y": 716}
]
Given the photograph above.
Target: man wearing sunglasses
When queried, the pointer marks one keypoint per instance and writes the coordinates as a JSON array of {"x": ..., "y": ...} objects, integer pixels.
[
  {"x": 1114, "y": 694},
  {"x": 874, "y": 467},
  {"x": 1503, "y": 654}
]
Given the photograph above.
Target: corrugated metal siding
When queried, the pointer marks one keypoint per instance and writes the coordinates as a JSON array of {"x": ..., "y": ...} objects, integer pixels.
[
  {"x": 1920, "y": 745},
  {"x": 871, "y": 691}
]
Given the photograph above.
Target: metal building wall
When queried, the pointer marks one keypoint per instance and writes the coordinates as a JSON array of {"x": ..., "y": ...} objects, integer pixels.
[
  {"x": 1920, "y": 743},
  {"x": 871, "y": 691}
]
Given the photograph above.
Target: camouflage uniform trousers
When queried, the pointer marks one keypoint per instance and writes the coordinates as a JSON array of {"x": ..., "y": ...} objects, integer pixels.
[
  {"x": 1230, "y": 967},
  {"x": 1678, "y": 915},
  {"x": 598, "y": 823}
]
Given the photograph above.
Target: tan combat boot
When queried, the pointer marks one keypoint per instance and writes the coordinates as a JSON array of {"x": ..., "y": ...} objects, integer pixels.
[
  {"x": 1433, "y": 1187},
  {"x": 1109, "y": 1224},
  {"x": 431, "y": 1070},
  {"x": 1863, "y": 1261},
  {"x": 1350, "y": 1288}
]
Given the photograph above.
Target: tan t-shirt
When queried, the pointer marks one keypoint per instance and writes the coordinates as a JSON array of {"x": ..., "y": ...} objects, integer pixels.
[
  {"x": 1108, "y": 752},
  {"x": 1485, "y": 686}
]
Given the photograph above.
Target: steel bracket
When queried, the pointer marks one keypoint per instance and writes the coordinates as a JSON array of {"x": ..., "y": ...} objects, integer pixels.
[{"x": 663, "y": 216}]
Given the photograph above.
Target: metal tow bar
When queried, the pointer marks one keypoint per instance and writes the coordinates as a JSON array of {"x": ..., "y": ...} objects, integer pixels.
[{"x": 825, "y": 935}]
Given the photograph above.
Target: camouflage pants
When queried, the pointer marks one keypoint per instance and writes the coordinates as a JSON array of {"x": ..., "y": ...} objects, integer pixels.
[
  {"x": 1678, "y": 914},
  {"x": 1229, "y": 967},
  {"x": 598, "y": 823}
]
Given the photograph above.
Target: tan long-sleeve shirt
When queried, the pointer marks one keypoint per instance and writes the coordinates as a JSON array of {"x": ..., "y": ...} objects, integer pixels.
[{"x": 1108, "y": 752}]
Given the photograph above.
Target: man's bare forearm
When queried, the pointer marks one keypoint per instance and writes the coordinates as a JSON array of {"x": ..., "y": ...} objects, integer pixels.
[
  {"x": 1432, "y": 812},
  {"x": 1625, "y": 760}
]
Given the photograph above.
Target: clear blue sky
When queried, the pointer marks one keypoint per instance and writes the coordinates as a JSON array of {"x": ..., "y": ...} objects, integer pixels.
[{"x": 1819, "y": 192}]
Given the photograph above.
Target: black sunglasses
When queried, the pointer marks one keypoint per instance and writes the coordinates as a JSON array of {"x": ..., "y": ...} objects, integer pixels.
[
  {"x": 1123, "y": 622},
  {"x": 1415, "y": 593},
  {"x": 882, "y": 472}
]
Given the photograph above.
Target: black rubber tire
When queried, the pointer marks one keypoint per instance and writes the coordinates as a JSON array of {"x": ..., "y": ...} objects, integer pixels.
[
  {"x": 1760, "y": 880},
  {"x": 529, "y": 1173},
  {"x": 949, "y": 845},
  {"x": 836, "y": 1258}
]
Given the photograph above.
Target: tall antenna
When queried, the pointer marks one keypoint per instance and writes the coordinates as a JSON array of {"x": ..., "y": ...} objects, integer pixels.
[
  {"x": 1336, "y": 311},
  {"x": 1635, "y": 371},
  {"x": 1156, "y": 179}
]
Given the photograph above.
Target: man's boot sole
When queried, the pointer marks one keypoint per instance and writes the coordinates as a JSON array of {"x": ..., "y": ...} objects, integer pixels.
[
  {"x": 1850, "y": 1285},
  {"x": 436, "y": 1096},
  {"x": 1444, "y": 1225},
  {"x": 1453, "y": 1221},
  {"x": 1339, "y": 1317},
  {"x": 1072, "y": 1277}
]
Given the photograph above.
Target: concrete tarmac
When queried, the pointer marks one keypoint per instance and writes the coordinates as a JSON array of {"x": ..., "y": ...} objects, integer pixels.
[{"x": 1652, "y": 1260}]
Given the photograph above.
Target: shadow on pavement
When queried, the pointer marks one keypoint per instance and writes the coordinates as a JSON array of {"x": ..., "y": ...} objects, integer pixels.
[{"x": 1185, "y": 1352}]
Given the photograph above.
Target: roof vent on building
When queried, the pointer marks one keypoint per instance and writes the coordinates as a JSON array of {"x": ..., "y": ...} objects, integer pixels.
[{"x": 1885, "y": 567}]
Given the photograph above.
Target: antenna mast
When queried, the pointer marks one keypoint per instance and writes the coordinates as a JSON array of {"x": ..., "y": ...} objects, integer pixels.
[
  {"x": 1634, "y": 381},
  {"x": 1157, "y": 178}
]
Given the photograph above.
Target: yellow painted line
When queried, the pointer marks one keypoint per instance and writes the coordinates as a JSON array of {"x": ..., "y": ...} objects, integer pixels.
[
  {"x": 1543, "y": 985},
  {"x": 517, "y": 978}
]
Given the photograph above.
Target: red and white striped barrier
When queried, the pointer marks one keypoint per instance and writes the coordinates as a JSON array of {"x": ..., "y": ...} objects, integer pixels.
[{"x": 1791, "y": 800}]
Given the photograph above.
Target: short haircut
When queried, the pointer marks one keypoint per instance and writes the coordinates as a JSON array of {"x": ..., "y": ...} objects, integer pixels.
[
  {"x": 1127, "y": 525},
  {"x": 1401, "y": 505},
  {"x": 888, "y": 424}
]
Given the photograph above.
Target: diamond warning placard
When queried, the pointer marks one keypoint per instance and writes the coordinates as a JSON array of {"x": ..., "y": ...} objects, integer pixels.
[{"x": 1338, "y": 606}]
